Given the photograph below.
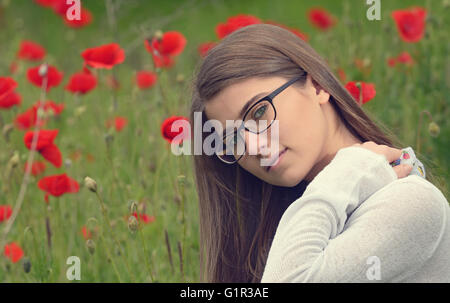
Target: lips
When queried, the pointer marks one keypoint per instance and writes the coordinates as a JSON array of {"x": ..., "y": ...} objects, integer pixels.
[{"x": 275, "y": 159}]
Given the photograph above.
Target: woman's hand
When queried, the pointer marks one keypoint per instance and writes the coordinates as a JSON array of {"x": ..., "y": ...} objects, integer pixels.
[{"x": 391, "y": 155}]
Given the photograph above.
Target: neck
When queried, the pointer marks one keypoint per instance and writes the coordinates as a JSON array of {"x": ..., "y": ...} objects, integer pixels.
[{"x": 339, "y": 138}]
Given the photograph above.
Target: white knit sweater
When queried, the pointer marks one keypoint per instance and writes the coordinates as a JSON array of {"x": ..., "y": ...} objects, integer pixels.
[{"x": 356, "y": 222}]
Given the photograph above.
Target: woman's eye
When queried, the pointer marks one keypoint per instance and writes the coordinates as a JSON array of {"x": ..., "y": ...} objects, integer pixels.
[{"x": 258, "y": 113}]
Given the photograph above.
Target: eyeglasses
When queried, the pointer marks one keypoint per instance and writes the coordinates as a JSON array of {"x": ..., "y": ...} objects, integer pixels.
[{"x": 257, "y": 119}]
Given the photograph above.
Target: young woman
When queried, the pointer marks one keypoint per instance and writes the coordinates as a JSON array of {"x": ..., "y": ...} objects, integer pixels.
[{"x": 330, "y": 208}]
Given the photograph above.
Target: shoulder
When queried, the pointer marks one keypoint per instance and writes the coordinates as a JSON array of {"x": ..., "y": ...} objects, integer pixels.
[
  {"x": 410, "y": 208},
  {"x": 415, "y": 192}
]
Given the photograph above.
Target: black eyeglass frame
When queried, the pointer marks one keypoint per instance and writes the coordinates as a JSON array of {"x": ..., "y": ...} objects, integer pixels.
[{"x": 268, "y": 98}]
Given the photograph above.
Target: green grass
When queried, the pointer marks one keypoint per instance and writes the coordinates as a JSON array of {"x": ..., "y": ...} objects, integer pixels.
[{"x": 146, "y": 170}]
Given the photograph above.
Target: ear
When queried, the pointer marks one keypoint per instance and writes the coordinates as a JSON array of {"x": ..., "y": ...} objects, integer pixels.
[{"x": 321, "y": 95}]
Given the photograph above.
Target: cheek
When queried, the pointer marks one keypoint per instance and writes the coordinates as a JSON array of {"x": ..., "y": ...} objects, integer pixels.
[{"x": 303, "y": 130}]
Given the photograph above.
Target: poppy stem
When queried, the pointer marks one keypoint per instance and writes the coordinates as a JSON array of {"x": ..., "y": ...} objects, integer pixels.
[
  {"x": 164, "y": 96},
  {"x": 105, "y": 216},
  {"x": 108, "y": 254},
  {"x": 26, "y": 177},
  {"x": 115, "y": 175},
  {"x": 146, "y": 256},
  {"x": 419, "y": 126}
]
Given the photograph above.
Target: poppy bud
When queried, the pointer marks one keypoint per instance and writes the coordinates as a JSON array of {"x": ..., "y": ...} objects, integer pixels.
[
  {"x": 141, "y": 208},
  {"x": 26, "y": 265},
  {"x": 41, "y": 114},
  {"x": 109, "y": 138},
  {"x": 180, "y": 78},
  {"x": 133, "y": 224},
  {"x": 158, "y": 35},
  {"x": 90, "y": 245},
  {"x": 67, "y": 163},
  {"x": 14, "y": 161},
  {"x": 132, "y": 206},
  {"x": 6, "y": 131},
  {"x": 433, "y": 129},
  {"x": 90, "y": 184},
  {"x": 181, "y": 180},
  {"x": 80, "y": 110},
  {"x": 43, "y": 69}
]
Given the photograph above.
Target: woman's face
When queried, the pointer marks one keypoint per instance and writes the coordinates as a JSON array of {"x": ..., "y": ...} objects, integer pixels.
[{"x": 303, "y": 116}]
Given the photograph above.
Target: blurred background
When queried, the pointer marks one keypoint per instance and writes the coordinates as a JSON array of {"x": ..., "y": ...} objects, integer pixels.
[{"x": 114, "y": 133}]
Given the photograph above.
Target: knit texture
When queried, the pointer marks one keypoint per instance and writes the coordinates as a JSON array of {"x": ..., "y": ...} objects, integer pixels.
[{"x": 356, "y": 222}]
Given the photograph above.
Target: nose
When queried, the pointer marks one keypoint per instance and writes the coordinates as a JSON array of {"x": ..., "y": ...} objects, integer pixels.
[{"x": 257, "y": 144}]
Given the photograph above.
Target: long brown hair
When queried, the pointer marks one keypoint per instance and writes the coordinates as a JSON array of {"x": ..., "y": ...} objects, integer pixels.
[{"x": 239, "y": 212}]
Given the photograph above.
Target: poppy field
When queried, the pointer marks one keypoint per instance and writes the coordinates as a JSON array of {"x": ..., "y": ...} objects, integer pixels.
[{"x": 90, "y": 190}]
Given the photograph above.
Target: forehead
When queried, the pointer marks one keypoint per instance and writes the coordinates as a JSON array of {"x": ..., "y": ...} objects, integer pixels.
[{"x": 227, "y": 104}]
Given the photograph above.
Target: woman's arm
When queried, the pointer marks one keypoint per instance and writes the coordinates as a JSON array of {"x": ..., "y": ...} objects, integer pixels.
[{"x": 402, "y": 227}]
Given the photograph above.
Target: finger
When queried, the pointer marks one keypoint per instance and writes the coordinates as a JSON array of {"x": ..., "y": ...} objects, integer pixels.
[
  {"x": 393, "y": 154},
  {"x": 402, "y": 170}
]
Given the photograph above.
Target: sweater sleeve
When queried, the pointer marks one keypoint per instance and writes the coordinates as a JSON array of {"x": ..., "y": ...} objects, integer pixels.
[{"x": 311, "y": 246}]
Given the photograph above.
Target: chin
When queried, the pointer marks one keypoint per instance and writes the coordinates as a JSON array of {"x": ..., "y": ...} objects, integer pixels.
[{"x": 287, "y": 180}]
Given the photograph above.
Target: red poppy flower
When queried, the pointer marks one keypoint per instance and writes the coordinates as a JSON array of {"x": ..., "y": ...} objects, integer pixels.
[
  {"x": 160, "y": 61},
  {"x": 361, "y": 96},
  {"x": 60, "y": 7},
  {"x": 104, "y": 56},
  {"x": 163, "y": 61},
  {"x": 341, "y": 74},
  {"x": 90, "y": 158},
  {"x": 85, "y": 19},
  {"x": 45, "y": 145},
  {"x": 58, "y": 185},
  {"x": 87, "y": 234},
  {"x": 295, "y": 31},
  {"x": 13, "y": 67},
  {"x": 10, "y": 99},
  {"x": 13, "y": 252},
  {"x": 403, "y": 58},
  {"x": 392, "y": 61},
  {"x": 321, "y": 18},
  {"x": 30, "y": 50},
  {"x": 49, "y": 105},
  {"x": 145, "y": 218},
  {"x": 118, "y": 122},
  {"x": 174, "y": 136},
  {"x": 28, "y": 119},
  {"x": 54, "y": 76},
  {"x": 5, "y": 212},
  {"x": 410, "y": 23},
  {"x": 145, "y": 79},
  {"x": 203, "y": 48},
  {"x": 172, "y": 43},
  {"x": 7, "y": 84},
  {"x": 82, "y": 82},
  {"x": 37, "y": 168},
  {"x": 235, "y": 23}
]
